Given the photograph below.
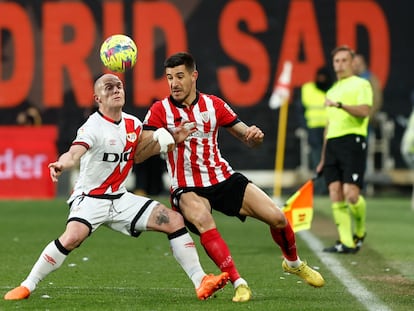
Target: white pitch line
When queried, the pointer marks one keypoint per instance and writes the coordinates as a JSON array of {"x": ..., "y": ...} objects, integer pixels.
[{"x": 361, "y": 293}]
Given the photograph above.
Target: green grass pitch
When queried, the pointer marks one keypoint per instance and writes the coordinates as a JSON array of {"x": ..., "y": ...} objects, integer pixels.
[{"x": 111, "y": 271}]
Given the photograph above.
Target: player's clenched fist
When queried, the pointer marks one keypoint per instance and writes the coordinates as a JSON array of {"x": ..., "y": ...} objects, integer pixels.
[{"x": 253, "y": 135}]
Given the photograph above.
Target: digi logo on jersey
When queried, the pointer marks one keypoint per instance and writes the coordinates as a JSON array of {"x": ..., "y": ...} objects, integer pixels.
[{"x": 116, "y": 157}]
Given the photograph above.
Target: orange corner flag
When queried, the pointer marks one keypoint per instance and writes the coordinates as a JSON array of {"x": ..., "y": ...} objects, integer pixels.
[{"x": 298, "y": 209}]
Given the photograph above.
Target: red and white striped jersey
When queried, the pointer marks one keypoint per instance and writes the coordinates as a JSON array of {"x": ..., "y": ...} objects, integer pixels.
[
  {"x": 105, "y": 166},
  {"x": 197, "y": 162}
]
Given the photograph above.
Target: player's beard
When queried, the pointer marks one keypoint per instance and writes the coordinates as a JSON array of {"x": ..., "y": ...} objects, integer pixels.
[{"x": 178, "y": 98}]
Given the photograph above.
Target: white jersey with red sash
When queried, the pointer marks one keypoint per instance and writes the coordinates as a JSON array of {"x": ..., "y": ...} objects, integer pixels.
[
  {"x": 197, "y": 162},
  {"x": 110, "y": 156}
]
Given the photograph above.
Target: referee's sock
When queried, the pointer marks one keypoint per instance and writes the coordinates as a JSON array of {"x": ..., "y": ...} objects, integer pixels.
[
  {"x": 359, "y": 213},
  {"x": 342, "y": 218}
]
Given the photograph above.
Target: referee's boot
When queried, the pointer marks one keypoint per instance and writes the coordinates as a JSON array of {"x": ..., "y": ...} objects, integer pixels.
[
  {"x": 359, "y": 241},
  {"x": 340, "y": 248}
]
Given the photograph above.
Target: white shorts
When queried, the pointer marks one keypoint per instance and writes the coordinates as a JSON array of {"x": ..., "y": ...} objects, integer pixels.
[{"x": 129, "y": 214}]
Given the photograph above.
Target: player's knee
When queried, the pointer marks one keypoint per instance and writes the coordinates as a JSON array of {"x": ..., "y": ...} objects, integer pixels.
[
  {"x": 199, "y": 216},
  {"x": 351, "y": 197},
  {"x": 72, "y": 240},
  {"x": 352, "y": 200},
  {"x": 281, "y": 222},
  {"x": 167, "y": 215},
  {"x": 278, "y": 220},
  {"x": 176, "y": 220},
  {"x": 75, "y": 233},
  {"x": 203, "y": 221}
]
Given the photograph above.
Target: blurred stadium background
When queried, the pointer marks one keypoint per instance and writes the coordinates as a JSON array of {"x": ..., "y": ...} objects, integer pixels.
[{"x": 49, "y": 60}]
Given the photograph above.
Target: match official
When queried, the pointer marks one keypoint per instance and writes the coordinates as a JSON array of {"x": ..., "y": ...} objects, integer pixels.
[{"x": 344, "y": 153}]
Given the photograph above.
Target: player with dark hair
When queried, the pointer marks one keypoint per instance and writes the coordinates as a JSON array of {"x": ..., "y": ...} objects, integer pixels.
[
  {"x": 202, "y": 180},
  {"x": 105, "y": 147},
  {"x": 344, "y": 153}
]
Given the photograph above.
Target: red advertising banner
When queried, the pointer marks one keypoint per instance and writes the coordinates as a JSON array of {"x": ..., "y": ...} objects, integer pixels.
[{"x": 24, "y": 155}]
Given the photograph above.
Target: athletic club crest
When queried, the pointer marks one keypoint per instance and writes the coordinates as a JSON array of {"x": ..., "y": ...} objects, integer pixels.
[{"x": 205, "y": 116}]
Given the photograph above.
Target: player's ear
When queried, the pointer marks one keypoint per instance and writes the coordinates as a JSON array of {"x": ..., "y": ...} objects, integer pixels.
[
  {"x": 96, "y": 98},
  {"x": 195, "y": 75}
]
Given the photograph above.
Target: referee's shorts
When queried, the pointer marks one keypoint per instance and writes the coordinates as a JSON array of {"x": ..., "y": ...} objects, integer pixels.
[{"x": 345, "y": 159}]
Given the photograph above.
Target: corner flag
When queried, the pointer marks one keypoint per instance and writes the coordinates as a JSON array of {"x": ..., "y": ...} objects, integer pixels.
[
  {"x": 298, "y": 209},
  {"x": 280, "y": 98}
]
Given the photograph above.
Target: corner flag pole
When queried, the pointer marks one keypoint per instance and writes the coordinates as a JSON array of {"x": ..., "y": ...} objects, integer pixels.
[
  {"x": 280, "y": 150},
  {"x": 280, "y": 98}
]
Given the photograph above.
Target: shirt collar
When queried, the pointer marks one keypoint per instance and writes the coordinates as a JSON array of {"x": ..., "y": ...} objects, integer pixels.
[{"x": 180, "y": 105}]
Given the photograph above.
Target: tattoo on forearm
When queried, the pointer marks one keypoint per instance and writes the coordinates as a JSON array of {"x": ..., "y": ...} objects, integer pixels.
[{"x": 162, "y": 217}]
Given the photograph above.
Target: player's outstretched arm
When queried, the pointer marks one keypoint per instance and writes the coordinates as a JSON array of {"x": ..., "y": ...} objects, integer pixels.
[
  {"x": 161, "y": 141},
  {"x": 66, "y": 161},
  {"x": 153, "y": 142},
  {"x": 147, "y": 147}
]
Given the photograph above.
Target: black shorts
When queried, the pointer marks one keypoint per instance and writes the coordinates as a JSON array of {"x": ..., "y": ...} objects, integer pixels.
[
  {"x": 345, "y": 160},
  {"x": 225, "y": 197}
]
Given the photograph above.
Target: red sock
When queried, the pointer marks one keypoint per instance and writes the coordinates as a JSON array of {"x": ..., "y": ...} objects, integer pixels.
[
  {"x": 285, "y": 238},
  {"x": 218, "y": 251}
]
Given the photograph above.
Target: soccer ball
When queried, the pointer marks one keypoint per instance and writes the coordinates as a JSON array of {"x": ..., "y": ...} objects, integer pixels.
[{"x": 118, "y": 53}]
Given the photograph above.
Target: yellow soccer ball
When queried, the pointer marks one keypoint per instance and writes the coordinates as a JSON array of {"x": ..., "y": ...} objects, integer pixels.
[{"x": 119, "y": 53}]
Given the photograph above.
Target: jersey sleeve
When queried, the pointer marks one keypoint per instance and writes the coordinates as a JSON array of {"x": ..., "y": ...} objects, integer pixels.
[
  {"x": 154, "y": 118},
  {"x": 85, "y": 136},
  {"x": 365, "y": 96},
  {"x": 225, "y": 114}
]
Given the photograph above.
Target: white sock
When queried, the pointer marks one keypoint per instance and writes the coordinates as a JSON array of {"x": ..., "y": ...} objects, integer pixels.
[
  {"x": 238, "y": 282},
  {"x": 294, "y": 264},
  {"x": 185, "y": 253},
  {"x": 50, "y": 260}
]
